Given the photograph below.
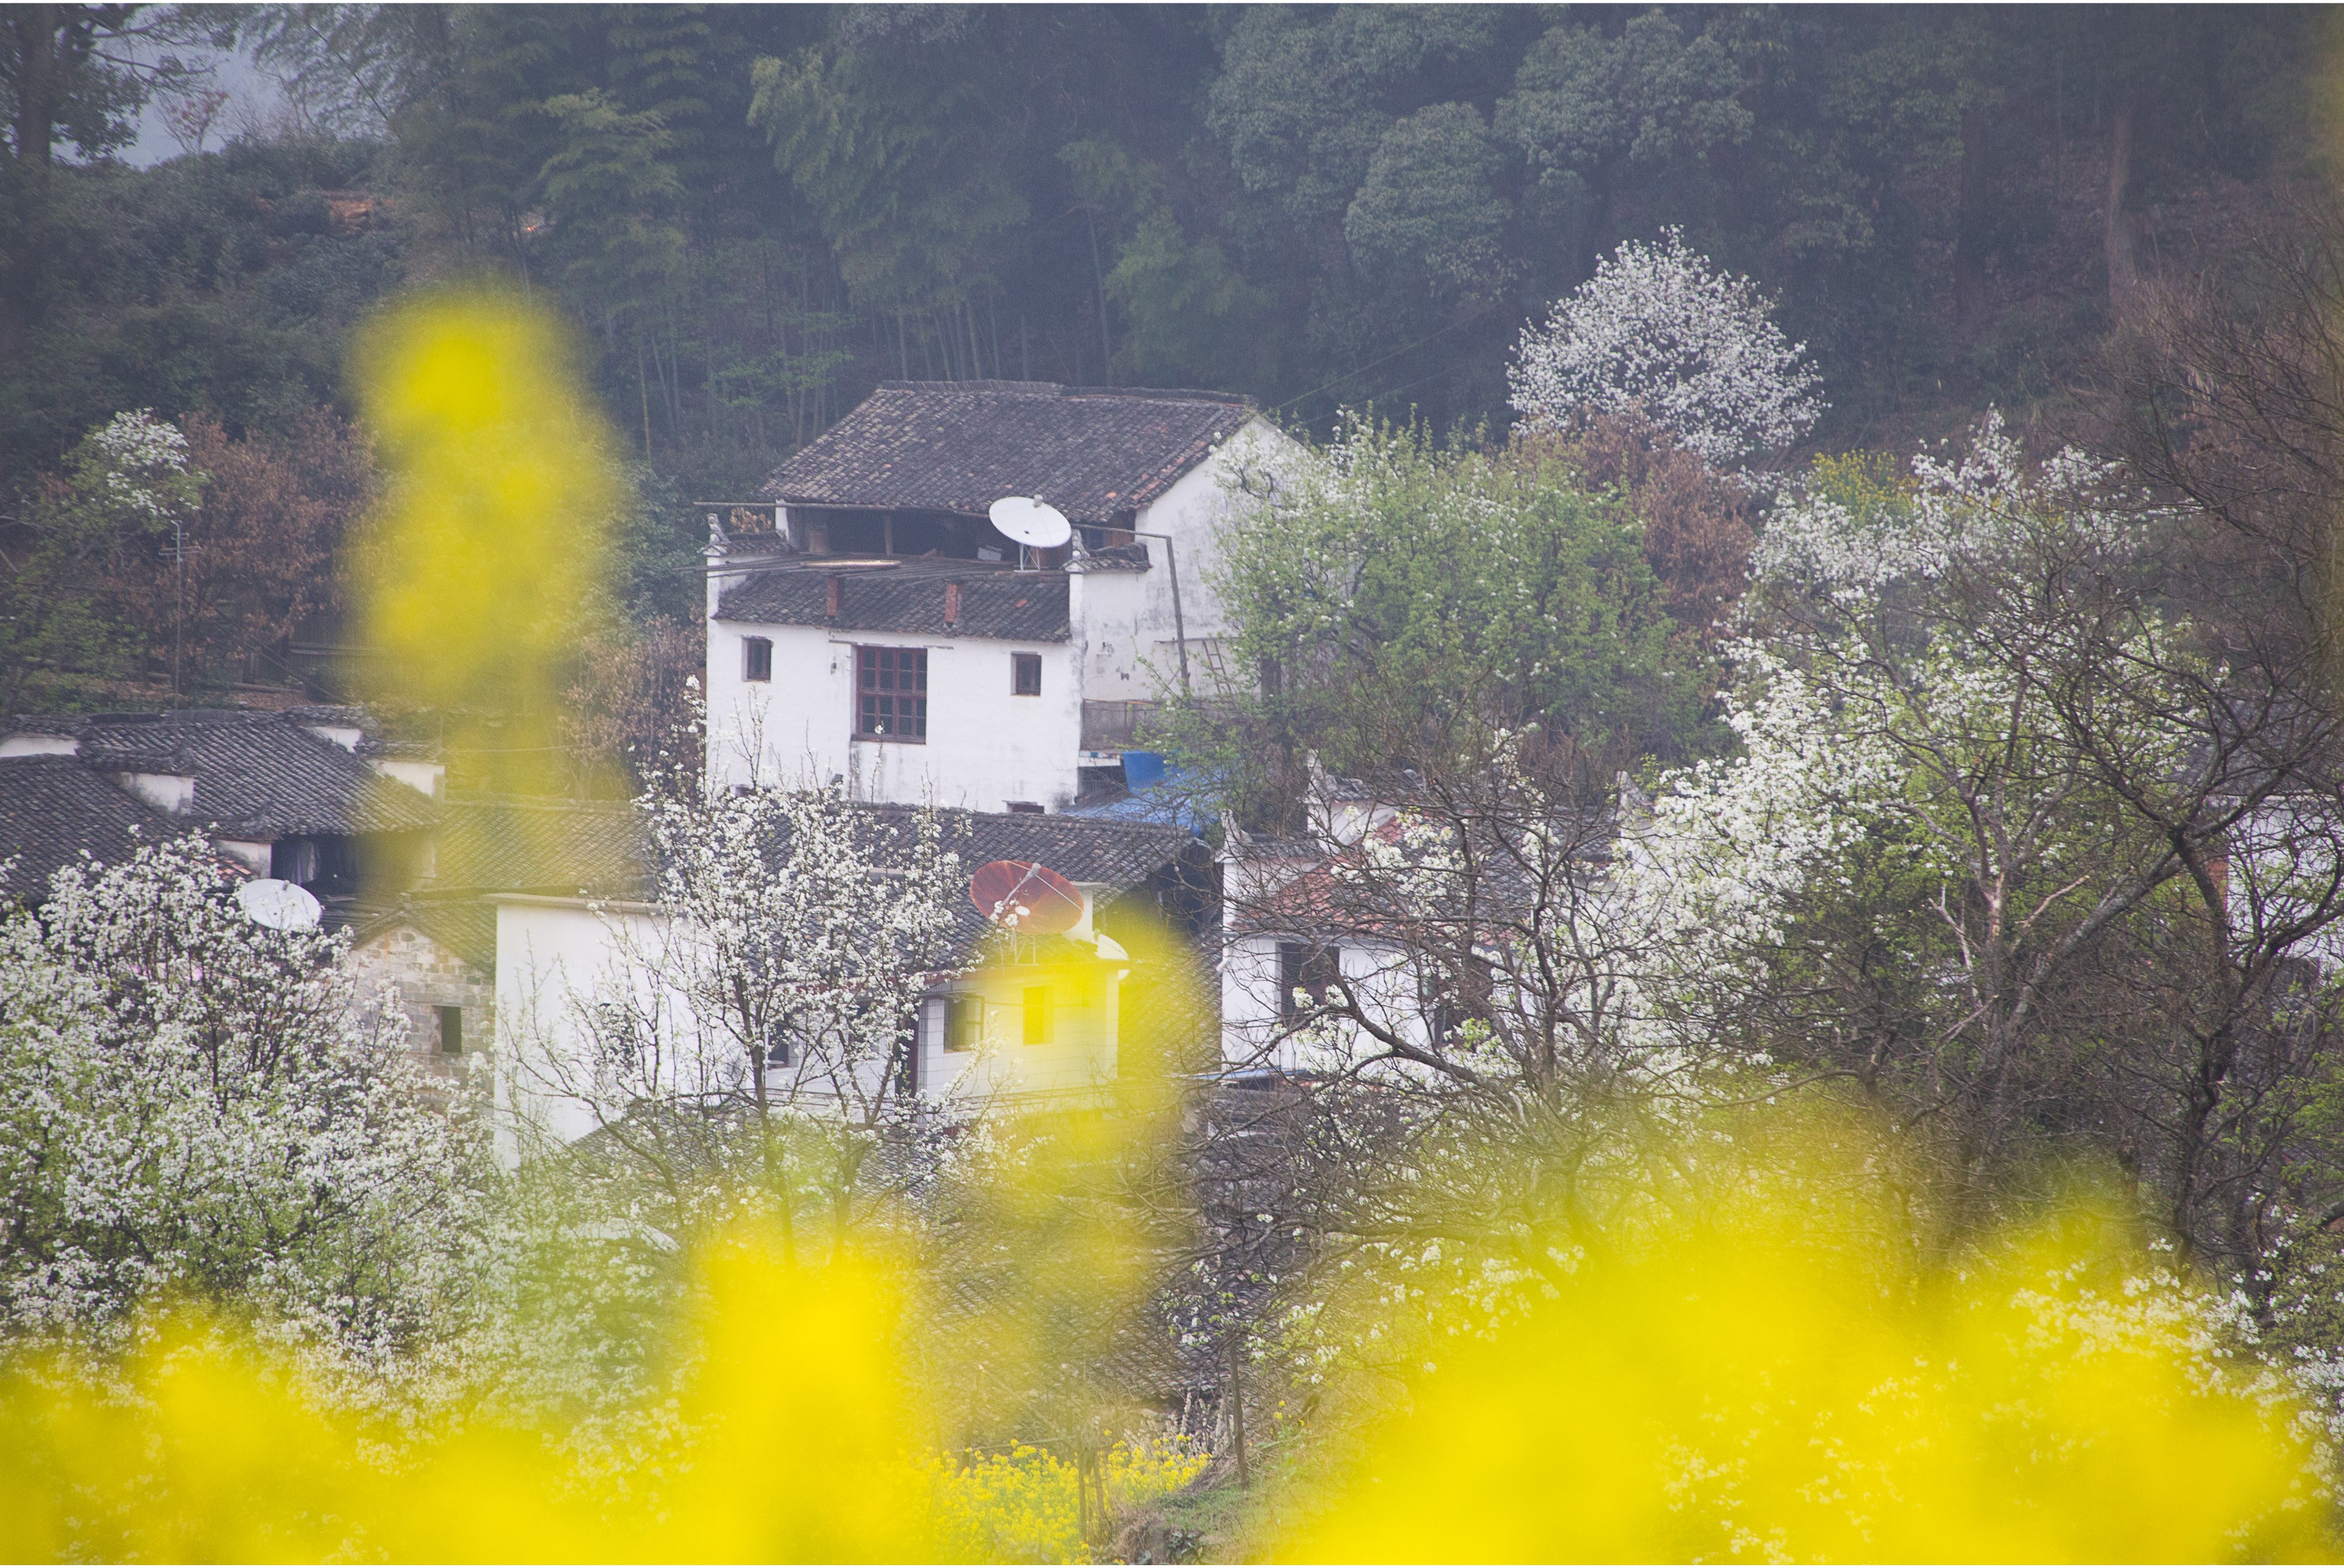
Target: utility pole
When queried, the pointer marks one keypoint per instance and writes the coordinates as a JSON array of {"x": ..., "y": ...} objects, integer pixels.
[
  {"x": 178, "y": 599},
  {"x": 1237, "y": 1406}
]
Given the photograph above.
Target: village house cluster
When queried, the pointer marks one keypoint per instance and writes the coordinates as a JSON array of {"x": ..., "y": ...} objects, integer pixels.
[{"x": 869, "y": 631}]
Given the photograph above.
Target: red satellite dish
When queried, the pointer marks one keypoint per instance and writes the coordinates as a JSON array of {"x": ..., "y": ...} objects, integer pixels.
[{"x": 1025, "y": 898}]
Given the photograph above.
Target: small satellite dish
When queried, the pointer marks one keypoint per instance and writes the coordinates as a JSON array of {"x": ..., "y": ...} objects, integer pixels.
[
  {"x": 1030, "y": 522},
  {"x": 280, "y": 905},
  {"x": 1025, "y": 898}
]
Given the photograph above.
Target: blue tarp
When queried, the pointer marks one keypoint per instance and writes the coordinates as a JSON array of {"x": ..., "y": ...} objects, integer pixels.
[{"x": 1148, "y": 777}]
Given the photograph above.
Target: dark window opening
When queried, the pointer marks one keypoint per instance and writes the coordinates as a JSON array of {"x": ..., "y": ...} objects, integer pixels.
[
  {"x": 963, "y": 1023},
  {"x": 852, "y": 531},
  {"x": 1025, "y": 674},
  {"x": 1027, "y": 809},
  {"x": 1458, "y": 1000},
  {"x": 756, "y": 659},
  {"x": 1038, "y": 1015},
  {"x": 324, "y": 863},
  {"x": 1306, "y": 973},
  {"x": 891, "y": 694},
  {"x": 294, "y": 861},
  {"x": 451, "y": 1030}
]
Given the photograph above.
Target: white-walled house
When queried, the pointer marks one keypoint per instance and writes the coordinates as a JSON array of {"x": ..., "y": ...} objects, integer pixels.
[
  {"x": 881, "y": 634},
  {"x": 1289, "y": 935},
  {"x": 311, "y": 795},
  {"x": 1042, "y": 1020}
]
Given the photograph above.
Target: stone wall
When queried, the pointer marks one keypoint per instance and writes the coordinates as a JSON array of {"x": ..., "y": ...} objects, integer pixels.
[{"x": 418, "y": 976}]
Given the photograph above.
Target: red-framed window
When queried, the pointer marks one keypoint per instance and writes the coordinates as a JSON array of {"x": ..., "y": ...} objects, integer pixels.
[{"x": 891, "y": 694}]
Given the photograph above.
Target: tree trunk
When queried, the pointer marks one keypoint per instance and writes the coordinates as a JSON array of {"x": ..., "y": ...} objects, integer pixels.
[
  {"x": 2123, "y": 272},
  {"x": 1098, "y": 277},
  {"x": 35, "y": 27},
  {"x": 1969, "y": 238}
]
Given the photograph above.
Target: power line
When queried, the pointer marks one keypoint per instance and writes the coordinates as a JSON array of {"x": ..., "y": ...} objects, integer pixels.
[{"x": 1370, "y": 365}]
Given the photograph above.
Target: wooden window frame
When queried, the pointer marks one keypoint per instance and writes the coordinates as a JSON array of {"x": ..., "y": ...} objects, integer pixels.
[
  {"x": 757, "y": 659},
  {"x": 1310, "y": 967},
  {"x": 963, "y": 1021},
  {"x": 448, "y": 1015},
  {"x": 1024, "y": 675},
  {"x": 879, "y": 680}
]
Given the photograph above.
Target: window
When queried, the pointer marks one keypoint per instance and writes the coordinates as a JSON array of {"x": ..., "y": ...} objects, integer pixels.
[
  {"x": 1038, "y": 1015},
  {"x": 1026, "y": 809},
  {"x": 891, "y": 694},
  {"x": 1026, "y": 675},
  {"x": 1305, "y": 972},
  {"x": 294, "y": 861},
  {"x": 756, "y": 659},
  {"x": 964, "y": 1022},
  {"x": 451, "y": 1030}
]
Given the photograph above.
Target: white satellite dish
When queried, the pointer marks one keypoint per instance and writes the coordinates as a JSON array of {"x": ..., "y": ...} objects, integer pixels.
[
  {"x": 1036, "y": 524},
  {"x": 280, "y": 905}
]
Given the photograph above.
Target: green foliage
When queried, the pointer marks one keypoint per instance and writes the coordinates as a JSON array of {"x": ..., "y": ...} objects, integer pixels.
[
  {"x": 1429, "y": 211},
  {"x": 1404, "y": 597},
  {"x": 905, "y": 170},
  {"x": 755, "y": 213},
  {"x": 610, "y": 191},
  {"x": 1593, "y": 111},
  {"x": 223, "y": 284}
]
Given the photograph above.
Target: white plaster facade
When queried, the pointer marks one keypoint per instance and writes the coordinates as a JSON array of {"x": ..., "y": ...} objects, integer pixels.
[
  {"x": 989, "y": 748},
  {"x": 986, "y": 747},
  {"x": 557, "y": 959}
]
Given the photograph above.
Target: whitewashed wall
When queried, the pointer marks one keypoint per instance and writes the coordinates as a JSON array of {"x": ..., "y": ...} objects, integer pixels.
[
  {"x": 557, "y": 958},
  {"x": 1251, "y": 994},
  {"x": 985, "y": 746},
  {"x": 1194, "y": 511}
]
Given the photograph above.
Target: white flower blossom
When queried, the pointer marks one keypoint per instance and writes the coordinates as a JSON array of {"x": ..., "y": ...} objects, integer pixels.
[
  {"x": 140, "y": 454},
  {"x": 1695, "y": 351}
]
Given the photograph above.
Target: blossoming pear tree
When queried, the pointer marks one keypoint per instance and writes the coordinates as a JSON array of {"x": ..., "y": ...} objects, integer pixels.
[
  {"x": 1657, "y": 331},
  {"x": 753, "y": 1038},
  {"x": 193, "y": 1106},
  {"x": 2006, "y": 839}
]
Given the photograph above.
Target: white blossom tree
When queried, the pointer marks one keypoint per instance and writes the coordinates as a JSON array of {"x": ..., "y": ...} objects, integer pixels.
[
  {"x": 1657, "y": 332},
  {"x": 752, "y": 1038},
  {"x": 2015, "y": 852},
  {"x": 194, "y": 1105}
]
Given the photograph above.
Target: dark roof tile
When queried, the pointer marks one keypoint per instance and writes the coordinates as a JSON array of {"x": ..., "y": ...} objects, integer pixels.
[
  {"x": 463, "y": 926},
  {"x": 1013, "y": 606},
  {"x": 556, "y": 848},
  {"x": 960, "y": 446},
  {"x": 53, "y": 811},
  {"x": 260, "y": 775},
  {"x": 567, "y": 850}
]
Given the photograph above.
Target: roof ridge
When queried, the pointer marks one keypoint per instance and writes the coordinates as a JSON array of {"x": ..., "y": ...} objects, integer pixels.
[{"x": 1064, "y": 389}]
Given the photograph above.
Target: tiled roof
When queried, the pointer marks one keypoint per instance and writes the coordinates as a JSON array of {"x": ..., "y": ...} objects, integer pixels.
[
  {"x": 1013, "y": 606},
  {"x": 560, "y": 848},
  {"x": 257, "y": 775},
  {"x": 465, "y": 926},
  {"x": 54, "y": 810},
  {"x": 566, "y": 851},
  {"x": 960, "y": 446},
  {"x": 1117, "y": 855}
]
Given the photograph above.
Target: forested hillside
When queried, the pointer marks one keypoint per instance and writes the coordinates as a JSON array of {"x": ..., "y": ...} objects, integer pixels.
[{"x": 754, "y": 212}]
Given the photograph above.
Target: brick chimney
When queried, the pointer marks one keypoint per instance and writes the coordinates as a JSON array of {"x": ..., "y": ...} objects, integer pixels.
[
  {"x": 951, "y": 604},
  {"x": 830, "y": 597}
]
